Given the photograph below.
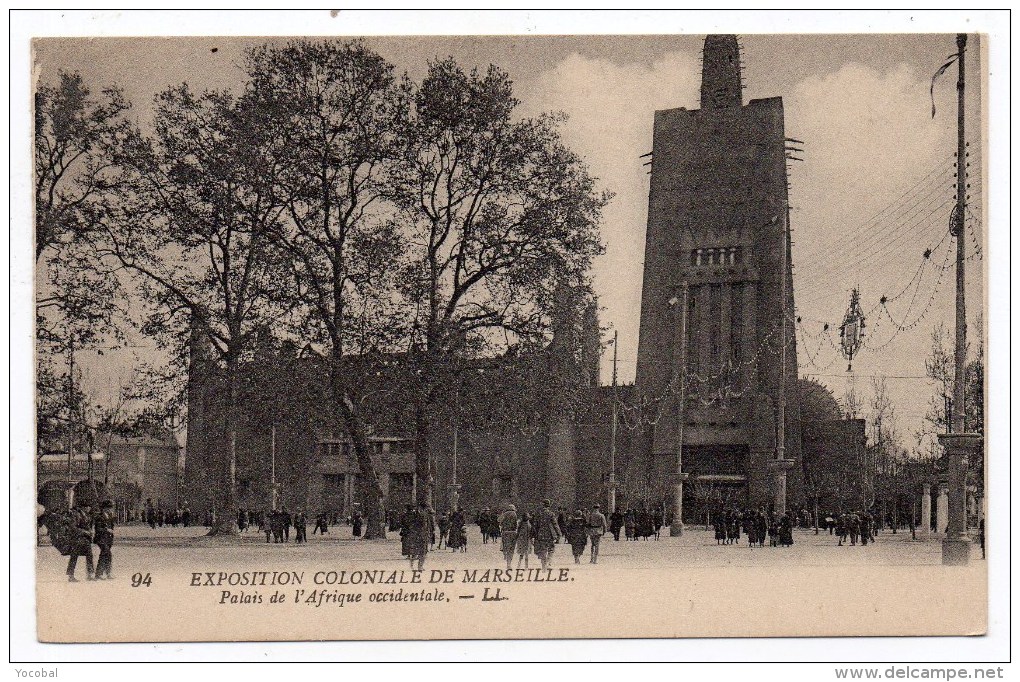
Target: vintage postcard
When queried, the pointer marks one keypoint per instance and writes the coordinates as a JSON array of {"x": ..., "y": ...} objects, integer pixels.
[{"x": 510, "y": 337}]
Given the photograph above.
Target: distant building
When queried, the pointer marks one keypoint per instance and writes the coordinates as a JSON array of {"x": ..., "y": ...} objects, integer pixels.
[
  {"x": 288, "y": 433},
  {"x": 137, "y": 468}
]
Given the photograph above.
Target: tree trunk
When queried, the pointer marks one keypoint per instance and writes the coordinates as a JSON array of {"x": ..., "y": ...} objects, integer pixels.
[
  {"x": 371, "y": 491},
  {"x": 226, "y": 520},
  {"x": 422, "y": 453}
]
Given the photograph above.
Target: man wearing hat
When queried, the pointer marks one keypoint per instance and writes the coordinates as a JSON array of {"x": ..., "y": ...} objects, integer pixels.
[
  {"x": 596, "y": 529},
  {"x": 508, "y": 534},
  {"x": 104, "y": 538},
  {"x": 81, "y": 540}
]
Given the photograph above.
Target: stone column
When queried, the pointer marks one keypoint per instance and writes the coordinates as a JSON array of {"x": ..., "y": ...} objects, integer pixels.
[
  {"x": 942, "y": 510},
  {"x": 676, "y": 529},
  {"x": 454, "y": 489},
  {"x": 926, "y": 510},
  {"x": 959, "y": 447},
  {"x": 779, "y": 467}
]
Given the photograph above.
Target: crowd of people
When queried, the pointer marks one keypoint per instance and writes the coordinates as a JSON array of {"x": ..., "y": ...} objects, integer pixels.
[
  {"x": 155, "y": 515},
  {"x": 519, "y": 534},
  {"x": 758, "y": 526},
  {"x": 854, "y": 527},
  {"x": 638, "y": 523}
]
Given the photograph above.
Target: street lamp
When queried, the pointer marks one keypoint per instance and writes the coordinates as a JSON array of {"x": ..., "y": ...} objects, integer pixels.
[
  {"x": 676, "y": 528},
  {"x": 454, "y": 487}
]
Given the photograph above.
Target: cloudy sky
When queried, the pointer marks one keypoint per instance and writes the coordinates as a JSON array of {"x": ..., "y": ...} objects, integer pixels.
[{"x": 873, "y": 191}]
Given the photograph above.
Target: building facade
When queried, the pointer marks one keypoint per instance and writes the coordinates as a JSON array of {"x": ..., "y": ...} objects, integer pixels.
[
  {"x": 509, "y": 429},
  {"x": 717, "y": 284}
]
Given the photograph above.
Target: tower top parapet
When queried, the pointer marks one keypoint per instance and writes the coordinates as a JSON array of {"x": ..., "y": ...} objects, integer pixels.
[{"x": 720, "y": 73}]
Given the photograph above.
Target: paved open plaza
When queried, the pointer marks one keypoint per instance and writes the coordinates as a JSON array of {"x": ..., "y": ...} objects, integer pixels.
[
  {"x": 686, "y": 586},
  {"x": 139, "y": 548}
]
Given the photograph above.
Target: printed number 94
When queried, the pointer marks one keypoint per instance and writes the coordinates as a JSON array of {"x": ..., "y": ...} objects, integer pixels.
[{"x": 140, "y": 580}]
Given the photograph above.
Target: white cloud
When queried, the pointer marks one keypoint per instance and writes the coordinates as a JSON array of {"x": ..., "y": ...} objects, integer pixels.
[{"x": 611, "y": 108}]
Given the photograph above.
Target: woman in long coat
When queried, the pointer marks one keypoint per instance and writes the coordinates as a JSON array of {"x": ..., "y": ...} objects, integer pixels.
[
  {"x": 733, "y": 531},
  {"x": 507, "y": 525},
  {"x": 785, "y": 530},
  {"x": 630, "y": 523},
  {"x": 405, "y": 531},
  {"x": 419, "y": 534},
  {"x": 523, "y": 540},
  {"x": 356, "y": 520},
  {"x": 577, "y": 535},
  {"x": 546, "y": 533},
  {"x": 458, "y": 538}
]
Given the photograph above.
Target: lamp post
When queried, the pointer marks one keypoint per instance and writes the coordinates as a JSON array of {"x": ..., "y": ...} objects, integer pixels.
[
  {"x": 676, "y": 528},
  {"x": 454, "y": 487},
  {"x": 611, "y": 506},
  {"x": 780, "y": 465},
  {"x": 272, "y": 469}
]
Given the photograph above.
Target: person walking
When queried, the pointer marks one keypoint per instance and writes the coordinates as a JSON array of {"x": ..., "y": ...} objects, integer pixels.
[
  {"x": 444, "y": 530},
  {"x": 981, "y": 536},
  {"x": 523, "y": 540},
  {"x": 577, "y": 535},
  {"x": 546, "y": 533},
  {"x": 81, "y": 541},
  {"x": 419, "y": 534},
  {"x": 104, "y": 539},
  {"x": 356, "y": 522},
  {"x": 508, "y": 523},
  {"x": 596, "y": 529},
  {"x": 616, "y": 524},
  {"x": 854, "y": 528},
  {"x": 483, "y": 524},
  {"x": 300, "y": 526},
  {"x": 657, "y": 519},
  {"x": 458, "y": 531}
]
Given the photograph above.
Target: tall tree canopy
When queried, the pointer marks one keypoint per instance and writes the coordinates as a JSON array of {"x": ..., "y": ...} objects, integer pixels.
[
  {"x": 340, "y": 108},
  {"x": 195, "y": 229},
  {"x": 496, "y": 213}
]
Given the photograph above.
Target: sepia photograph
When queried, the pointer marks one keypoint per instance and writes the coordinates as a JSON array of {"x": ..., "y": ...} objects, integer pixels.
[{"x": 511, "y": 337}]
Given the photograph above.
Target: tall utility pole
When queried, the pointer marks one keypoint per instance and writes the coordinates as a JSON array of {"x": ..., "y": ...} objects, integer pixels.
[
  {"x": 454, "y": 487},
  {"x": 677, "y": 527},
  {"x": 780, "y": 464},
  {"x": 272, "y": 469},
  {"x": 70, "y": 412},
  {"x": 958, "y": 443},
  {"x": 611, "y": 506}
]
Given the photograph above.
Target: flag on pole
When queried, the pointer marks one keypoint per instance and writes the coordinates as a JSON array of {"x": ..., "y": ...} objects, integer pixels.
[{"x": 952, "y": 58}]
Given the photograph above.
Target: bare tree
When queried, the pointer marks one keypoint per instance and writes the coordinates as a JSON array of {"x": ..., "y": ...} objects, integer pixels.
[
  {"x": 852, "y": 403},
  {"x": 79, "y": 302},
  {"x": 938, "y": 366}
]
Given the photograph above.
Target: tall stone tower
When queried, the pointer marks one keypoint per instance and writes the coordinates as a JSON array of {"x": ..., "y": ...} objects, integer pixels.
[{"x": 718, "y": 226}]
